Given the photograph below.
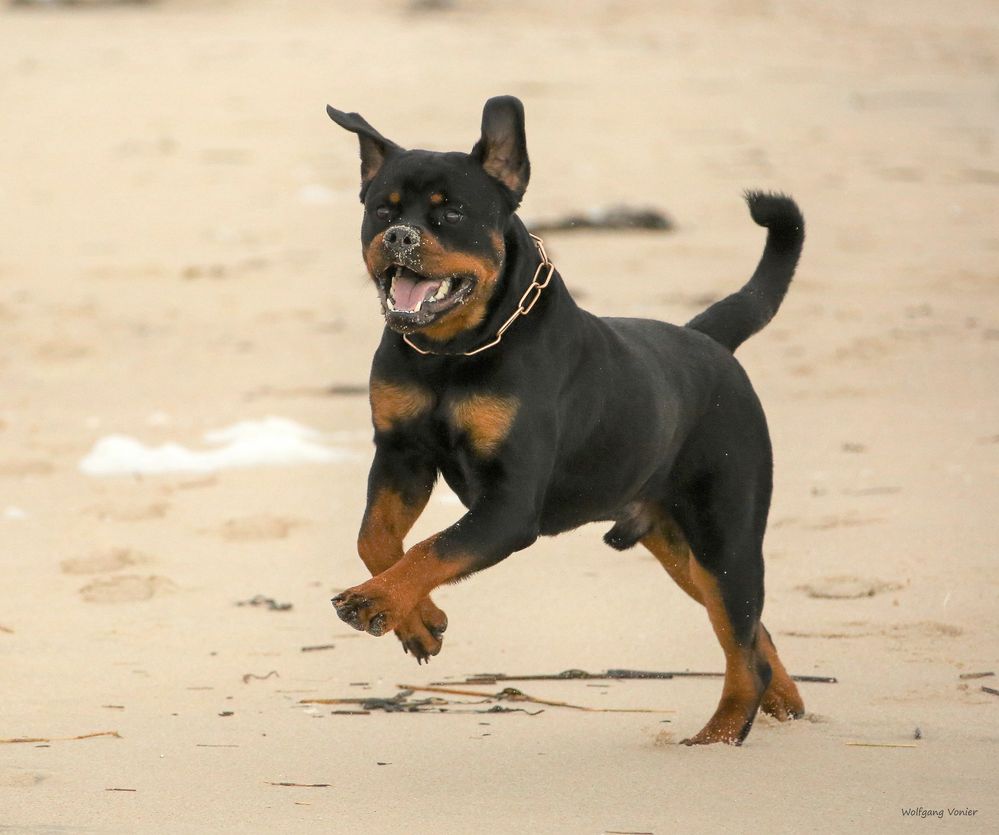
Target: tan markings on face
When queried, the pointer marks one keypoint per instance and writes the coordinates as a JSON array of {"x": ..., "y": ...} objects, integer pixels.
[
  {"x": 436, "y": 199},
  {"x": 375, "y": 258},
  {"x": 395, "y": 197},
  {"x": 485, "y": 268},
  {"x": 499, "y": 245},
  {"x": 486, "y": 420},
  {"x": 395, "y": 403}
]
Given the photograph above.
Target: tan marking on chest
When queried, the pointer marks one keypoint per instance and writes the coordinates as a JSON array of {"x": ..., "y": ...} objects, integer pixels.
[
  {"x": 486, "y": 420},
  {"x": 395, "y": 403}
]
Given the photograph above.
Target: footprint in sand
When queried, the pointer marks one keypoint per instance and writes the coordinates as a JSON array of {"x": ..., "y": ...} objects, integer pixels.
[
  {"x": 22, "y": 467},
  {"x": 923, "y": 629},
  {"x": 99, "y": 562},
  {"x": 847, "y": 588},
  {"x": 126, "y": 588},
  {"x": 14, "y": 777},
  {"x": 904, "y": 632},
  {"x": 61, "y": 350},
  {"x": 259, "y": 527},
  {"x": 129, "y": 513},
  {"x": 847, "y": 520}
]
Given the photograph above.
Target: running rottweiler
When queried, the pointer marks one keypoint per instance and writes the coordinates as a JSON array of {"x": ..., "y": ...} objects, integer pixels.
[{"x": 543, "y": 417}]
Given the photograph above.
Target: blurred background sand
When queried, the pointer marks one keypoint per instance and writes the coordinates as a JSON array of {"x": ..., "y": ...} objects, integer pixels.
[{"x": 180, "y": 252}]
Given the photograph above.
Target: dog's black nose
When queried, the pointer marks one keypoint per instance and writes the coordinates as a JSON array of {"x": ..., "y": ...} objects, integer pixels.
[{"x": 401, "y": 239}]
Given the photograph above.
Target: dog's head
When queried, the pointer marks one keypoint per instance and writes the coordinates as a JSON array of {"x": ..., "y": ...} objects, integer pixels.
[{"x": 432, "y": 234}]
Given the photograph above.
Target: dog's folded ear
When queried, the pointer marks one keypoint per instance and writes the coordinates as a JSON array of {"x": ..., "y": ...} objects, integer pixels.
[
  {"x": 502, "y": 148},
  {"x": 375, "y": 148}
]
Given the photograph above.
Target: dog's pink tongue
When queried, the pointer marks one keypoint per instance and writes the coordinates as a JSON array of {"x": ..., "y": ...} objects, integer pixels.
[{"x": 408, "y": 294}]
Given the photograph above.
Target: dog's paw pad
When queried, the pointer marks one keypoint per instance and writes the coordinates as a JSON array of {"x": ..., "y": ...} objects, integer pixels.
[
  {"x": 377, "y": 624},
  {"x": 348, "y": 608}
]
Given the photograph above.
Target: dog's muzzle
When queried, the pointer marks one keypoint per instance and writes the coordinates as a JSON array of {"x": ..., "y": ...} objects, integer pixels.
[{"x": 401, "y": 241}]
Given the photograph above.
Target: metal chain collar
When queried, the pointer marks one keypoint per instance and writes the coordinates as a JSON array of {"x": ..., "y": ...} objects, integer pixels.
[{"x": 524, "y": 306}]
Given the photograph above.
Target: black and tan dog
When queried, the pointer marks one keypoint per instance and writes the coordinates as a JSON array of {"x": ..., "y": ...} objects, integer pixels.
[{"x": 542, "y": 417}]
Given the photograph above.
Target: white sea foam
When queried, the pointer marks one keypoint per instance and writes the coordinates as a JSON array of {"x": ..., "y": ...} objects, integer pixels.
[{"x": 251, "y": 443}]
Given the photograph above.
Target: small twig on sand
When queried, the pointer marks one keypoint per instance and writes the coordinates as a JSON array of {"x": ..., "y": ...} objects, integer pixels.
[
  {"x": 318, "y": 647},
  {"x": 991, "y": 690},
  {"x": 975, "y": 675},
  {"x": 18, "y": 739},
  {"x": 511, "y": 694},
  {"x": 301, "y": 785},
  {"x": 613, "y": 675}
]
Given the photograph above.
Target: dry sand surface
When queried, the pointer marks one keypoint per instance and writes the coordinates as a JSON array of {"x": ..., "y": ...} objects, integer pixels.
[{"x": 179, "y": 253}]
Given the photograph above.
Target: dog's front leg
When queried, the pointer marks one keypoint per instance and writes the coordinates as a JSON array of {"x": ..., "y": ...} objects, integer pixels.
[
  {"x": 496, "y": 526},
  {"x": 399, "y": 486}
]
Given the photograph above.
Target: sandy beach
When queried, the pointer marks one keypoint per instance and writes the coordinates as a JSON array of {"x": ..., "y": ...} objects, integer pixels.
[{"x": 180, "y": 256}]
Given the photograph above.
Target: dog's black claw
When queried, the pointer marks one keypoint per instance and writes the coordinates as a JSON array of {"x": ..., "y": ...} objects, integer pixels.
[{"x": 415, "y": 647}]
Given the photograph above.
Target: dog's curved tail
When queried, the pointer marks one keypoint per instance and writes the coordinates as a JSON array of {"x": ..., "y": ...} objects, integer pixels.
[{"x": 737, "y": 317}]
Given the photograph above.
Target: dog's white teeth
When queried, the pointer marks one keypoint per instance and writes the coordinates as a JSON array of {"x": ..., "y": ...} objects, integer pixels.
[{"x": 443, "y": 290}]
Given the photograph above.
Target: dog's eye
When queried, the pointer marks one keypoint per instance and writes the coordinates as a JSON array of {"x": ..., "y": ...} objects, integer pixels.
[
  {"x": 453, "y": 216},
  {"x": 383, "y": 213}
]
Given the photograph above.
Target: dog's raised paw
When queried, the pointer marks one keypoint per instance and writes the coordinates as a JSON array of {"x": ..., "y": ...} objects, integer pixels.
[
  {"x": 421, "y": 634},
  {"x": 351, "y": 609}
]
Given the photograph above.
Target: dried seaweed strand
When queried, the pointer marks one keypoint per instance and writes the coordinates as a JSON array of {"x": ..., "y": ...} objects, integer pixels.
[
  {"x": 613, "y": 675},
  {"x": 250, "y": 676},
  {"x": 19, "y": 739},
  {"x": 300, "y": 785},
  {"x": 514, "y": 695}
]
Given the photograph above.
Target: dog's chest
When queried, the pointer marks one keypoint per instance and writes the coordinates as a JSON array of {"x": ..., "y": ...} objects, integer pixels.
[{"x": 476, "y": 422}]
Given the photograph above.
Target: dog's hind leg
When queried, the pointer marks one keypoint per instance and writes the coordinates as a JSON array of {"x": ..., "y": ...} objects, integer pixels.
[
  {"x": 781, "y": 699},
  {"x": 668, "y": 544}
]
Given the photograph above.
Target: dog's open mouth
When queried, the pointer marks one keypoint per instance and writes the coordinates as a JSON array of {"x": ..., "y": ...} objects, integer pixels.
[{"x": 411, "y": 300}]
